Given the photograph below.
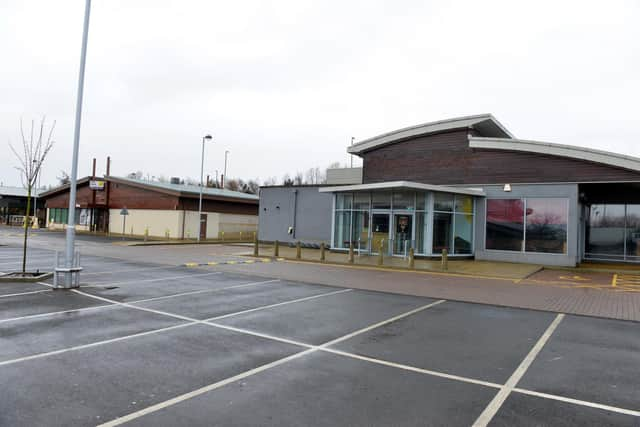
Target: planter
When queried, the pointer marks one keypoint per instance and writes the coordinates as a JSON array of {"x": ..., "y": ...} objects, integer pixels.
[{"x": 29, "y": 276}]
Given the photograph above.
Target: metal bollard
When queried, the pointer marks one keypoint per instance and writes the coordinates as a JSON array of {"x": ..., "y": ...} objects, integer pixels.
[
  {"x": 412, "y": 264},
  {"x": 146, "y": 234},
  {"x": 351, "y": 253},
  {"x": 445, "y": 259},
  {"x": 276, "y": 249},
  {"x": 256, "y": 249},
  {"x": 380, "y": 253},
  {"x": 298, "y": 250},
  {"x": 241, "y": 236},
  {"x": 322, "y": 254},
  {"x": 222, "y": 233}
]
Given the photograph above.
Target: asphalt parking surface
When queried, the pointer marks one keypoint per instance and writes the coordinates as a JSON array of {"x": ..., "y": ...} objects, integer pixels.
[{"x": 147, "y": 344}]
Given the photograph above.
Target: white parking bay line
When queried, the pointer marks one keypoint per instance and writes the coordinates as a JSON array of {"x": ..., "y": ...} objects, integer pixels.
[
  {"x": 158, "y": 279},
  {"x": 490, "y": 411},
  {"x": 578, "y": 402},
  {"x": 216, "y": 385},
  {"x": 25, "y": 293}
]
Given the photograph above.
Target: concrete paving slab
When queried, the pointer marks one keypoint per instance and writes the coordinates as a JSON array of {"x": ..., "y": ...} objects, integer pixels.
[
  {"x": 597, "y": 360},
  {"x": 27, "y": 337},
  {"x": 469, "y": 340},
  {"x": 95, "y": 385},
  {"x": 521, "y": 410},
  {"x": 206, "y": 305},
  {"x": 322, "y": 389},
  {"x": 58, "y": 300},
  {"x": 323, "y": 319}
]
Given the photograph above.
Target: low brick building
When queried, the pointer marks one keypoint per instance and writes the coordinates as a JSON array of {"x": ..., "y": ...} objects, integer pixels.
[{"x": 161, "y": 209}]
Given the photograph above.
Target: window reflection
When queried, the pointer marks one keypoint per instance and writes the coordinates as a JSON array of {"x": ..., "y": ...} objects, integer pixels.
[
  {"x": 547, "y": 226},
  {"x": 505, "y": 224}
]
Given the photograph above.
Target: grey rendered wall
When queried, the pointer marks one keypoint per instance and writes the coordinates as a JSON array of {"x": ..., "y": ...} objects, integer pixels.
[
  {"x": 569, "y": 191},
  {"x": 313, "y": 214}
]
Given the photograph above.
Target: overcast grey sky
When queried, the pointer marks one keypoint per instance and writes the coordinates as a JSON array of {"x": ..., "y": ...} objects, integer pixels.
[{"x": 284, "y": 85}]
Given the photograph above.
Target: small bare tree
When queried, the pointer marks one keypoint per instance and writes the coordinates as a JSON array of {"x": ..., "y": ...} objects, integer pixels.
[{"x": 34, "y": 150}]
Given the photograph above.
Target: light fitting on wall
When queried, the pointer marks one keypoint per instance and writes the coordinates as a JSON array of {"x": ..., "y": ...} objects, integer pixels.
[{"x": 507, "y": 187}]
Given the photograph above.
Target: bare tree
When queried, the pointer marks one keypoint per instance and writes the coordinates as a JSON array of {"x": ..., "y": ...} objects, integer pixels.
[
  {"x": 34, "y": 150},
  {"x": 63, "y": 179},
  {"x": 298, "y": 179}
]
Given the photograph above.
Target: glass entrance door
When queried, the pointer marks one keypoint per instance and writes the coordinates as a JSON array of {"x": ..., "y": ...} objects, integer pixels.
[
  {"x": 402, "y": 233},
  {"x": 379, "y": 232}
]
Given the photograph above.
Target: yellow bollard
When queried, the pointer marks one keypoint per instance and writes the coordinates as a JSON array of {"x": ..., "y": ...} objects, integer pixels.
[
  {"x": 222, "y": 234},
  {"x": 380, "y": 253},
  {"x": 146, "y": 233},
  {"x": 351, "y": 253},
  {"x": 241, "y": 236},
  {"x": 298, "y": 250},
  {"x": 412, "y": 263},
  {"x": 276, "y": 249},
  {"x": 445, "y": 259},
  {"x": 322, "y": 249},
  {"x": 255, "y": 246}
]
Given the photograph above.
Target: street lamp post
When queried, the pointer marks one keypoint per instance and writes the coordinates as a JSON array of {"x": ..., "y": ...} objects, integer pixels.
[
  {"x": 224, "y": 175},
  {"x": 204, "y": 138},
  {"x": 73, "y": 177}
]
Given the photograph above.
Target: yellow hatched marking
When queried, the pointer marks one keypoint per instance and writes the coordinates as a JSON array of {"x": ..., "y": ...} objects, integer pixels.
[
  {"x": 232, "y": 262},
  {"x": 266, "y": 260},
  {"x": 249, "y": 261},
  {"x": 191, "y": 264},
  {"x": 212, "y": 263}
]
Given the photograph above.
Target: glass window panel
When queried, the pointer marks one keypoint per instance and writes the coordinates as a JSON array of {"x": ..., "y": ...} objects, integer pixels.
[
  {"x": 360, "y": 230},
  {"x": 463, "y": 237},
  {"x": 464, "y": 204},
  {"x": 421, "y": 201},
  {"x": 421, "y": 232},
  {"x": 443, "y": 202},
  {"x": 633, "y": 232},
  {"x": 442, "y": 232},
  {"x": 343, "y": 200},
  {"x": 381, "y": 200},
  {"x": 547, "y": 226},
  {"x": 403, "y": 200},
  {"x": 341, "y": 232},
  {"x": 361, "y": 201},
  {"x": 606, "y": 232},
  {"x": 505, "y": 224}
]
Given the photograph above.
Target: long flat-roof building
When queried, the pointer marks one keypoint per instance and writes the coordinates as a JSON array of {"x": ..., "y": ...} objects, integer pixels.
[
  {"x": 471, "y": 187},
  {"x": 158, "y": 209}
]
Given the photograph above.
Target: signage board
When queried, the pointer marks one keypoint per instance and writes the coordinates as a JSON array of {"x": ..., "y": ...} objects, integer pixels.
[
  {"x": 96, "y": 184},
  {"x": 124, "y": 211}
]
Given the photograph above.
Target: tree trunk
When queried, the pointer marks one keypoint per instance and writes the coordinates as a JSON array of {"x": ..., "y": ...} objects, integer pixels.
[{"x": 26, "y": 231}]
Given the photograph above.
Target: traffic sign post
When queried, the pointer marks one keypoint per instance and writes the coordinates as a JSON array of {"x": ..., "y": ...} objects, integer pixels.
[{"x": 124, "y": 212}]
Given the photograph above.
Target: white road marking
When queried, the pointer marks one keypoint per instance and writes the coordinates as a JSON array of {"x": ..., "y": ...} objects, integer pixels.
[
  {"x": 189, "y": 321},
  {"x": 168, "y": 267},
  {"x": 384, "y": 322},
  {"x": 25, "y": 293},
  {"x": 578, "y": 402},
  {"x": 93, "y": 344},
  {"x": 200, "y": 391},
  {"x": 492, "y": 408},
  {"x": 158, "y": 279},
  {"x": 52, "y": 313},
  {"x": 412, "y": 368},
  {"x": 279, "y": 304},
  {"x": 203, "y": 291}
]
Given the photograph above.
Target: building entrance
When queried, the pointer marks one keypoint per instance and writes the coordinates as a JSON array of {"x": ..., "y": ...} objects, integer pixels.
[{"x": 402, "y": 233}]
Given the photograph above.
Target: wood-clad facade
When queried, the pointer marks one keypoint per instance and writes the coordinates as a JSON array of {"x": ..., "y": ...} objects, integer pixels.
[{"x": 447, "y": 159}]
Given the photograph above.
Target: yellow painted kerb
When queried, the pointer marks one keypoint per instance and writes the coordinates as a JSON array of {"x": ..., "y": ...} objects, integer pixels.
[{"x": 614, "y": 280}]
